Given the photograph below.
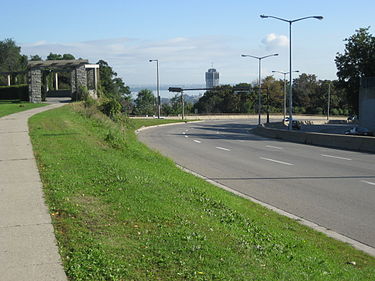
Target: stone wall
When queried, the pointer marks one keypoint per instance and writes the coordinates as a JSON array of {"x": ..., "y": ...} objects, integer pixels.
[
  {"x": 35, "y": 86},
  {"x": 91, "y": 78},
  {"x": 367, "y": 103}
]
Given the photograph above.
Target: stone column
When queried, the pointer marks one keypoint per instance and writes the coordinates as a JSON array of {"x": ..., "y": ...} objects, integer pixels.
[
  {"x": 91, "y": 78},
  {"x": 35, "y": 86},
  {"x": 8, "y": 80},
  {"x": 81, "y": 76},
  {"x": 73, "y": 81},
  {"x": 56, "y": 81}
]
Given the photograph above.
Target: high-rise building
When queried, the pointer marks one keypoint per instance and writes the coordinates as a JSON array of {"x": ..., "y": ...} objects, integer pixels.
[{"x": 212, "y": 78}]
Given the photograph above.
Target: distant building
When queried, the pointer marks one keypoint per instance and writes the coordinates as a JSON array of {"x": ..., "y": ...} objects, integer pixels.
[{"x": 212, "y": 78}]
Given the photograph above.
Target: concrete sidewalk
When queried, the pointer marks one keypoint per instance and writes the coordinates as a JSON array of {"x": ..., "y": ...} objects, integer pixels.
[{"x": 28, "y": 248}]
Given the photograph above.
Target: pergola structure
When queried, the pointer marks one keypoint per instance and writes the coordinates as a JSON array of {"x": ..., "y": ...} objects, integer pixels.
[{"x": 82, "y": 74}]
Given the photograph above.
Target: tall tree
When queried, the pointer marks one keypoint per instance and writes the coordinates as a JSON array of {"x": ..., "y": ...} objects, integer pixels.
[
  {"x": 11, "y": 60},
  {"x": 358, "y": 60},
  {"x": 145, "y": 103},
  {"x": 113, "y": 86},
  {"x": 10, "y": 57}
]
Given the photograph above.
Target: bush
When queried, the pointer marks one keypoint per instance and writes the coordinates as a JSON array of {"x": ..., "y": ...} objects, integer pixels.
[
  {"x": 14, "y": 92},
  {"x": 335, "y": 111},
  {"x": 111, "y": 108}
]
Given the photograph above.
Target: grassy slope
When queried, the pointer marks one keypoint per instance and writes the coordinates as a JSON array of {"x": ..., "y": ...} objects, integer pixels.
[
  {"x": 123, "y": 212},
  {"x": 9, "y": 107}
]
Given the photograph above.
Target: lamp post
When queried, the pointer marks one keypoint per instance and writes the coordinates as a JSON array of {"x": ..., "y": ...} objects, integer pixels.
[
  {"x": 157, "y": 85},
  {"x": 284, "y": 73},
  {"x": 259, "y": 81},
  {"x": 290, "y": 58}
]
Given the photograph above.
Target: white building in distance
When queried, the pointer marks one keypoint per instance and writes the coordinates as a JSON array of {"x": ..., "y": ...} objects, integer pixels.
[{"x": 212, "y": 78}]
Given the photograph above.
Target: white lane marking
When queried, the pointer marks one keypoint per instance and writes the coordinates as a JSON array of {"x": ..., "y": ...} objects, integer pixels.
[
  {"x": 276, "y": 147},
  {"x": 336, "y": 157},
  {"x": 222, "y": 148},
  {"x": 277, "y": 161},
  {"x": 197, "y": 141},
  {"x": 368, "y": 182}
]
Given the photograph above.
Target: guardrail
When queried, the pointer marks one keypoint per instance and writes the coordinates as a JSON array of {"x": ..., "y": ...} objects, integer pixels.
[{"x": 358, "y": 143}]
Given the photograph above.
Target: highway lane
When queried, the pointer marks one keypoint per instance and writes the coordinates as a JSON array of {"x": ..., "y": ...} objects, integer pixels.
[{"x": 333, "y": 188}]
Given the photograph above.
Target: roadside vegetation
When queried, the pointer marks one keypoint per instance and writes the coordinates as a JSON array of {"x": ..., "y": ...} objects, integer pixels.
[
  {"x": 124, "y": 212},
  {"x": 12, "y": 106}
]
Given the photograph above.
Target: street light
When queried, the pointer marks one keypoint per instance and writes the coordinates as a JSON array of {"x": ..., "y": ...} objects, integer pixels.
[
  {"x": 157, "y": 84},
  {"x": 290, "y": 57},
  {"x": 284, "y": 73},
  {"x": 259, "y": 81}
]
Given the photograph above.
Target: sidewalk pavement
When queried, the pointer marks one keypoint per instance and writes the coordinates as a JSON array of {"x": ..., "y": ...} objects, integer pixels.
[{"x": 28, "y": 248}]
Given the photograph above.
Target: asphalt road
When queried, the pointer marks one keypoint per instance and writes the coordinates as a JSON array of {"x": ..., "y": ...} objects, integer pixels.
[{"x": 333, "y": 188}]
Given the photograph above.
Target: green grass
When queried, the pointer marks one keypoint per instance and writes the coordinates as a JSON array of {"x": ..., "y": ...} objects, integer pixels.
[
  {"x": 123, "y": 212},
  {"x": 12, "y": 106}
]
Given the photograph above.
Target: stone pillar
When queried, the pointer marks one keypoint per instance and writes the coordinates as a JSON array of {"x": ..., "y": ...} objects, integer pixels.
[
  {"x": 8, "y": 80},
  {"x": 81, "y": 76},
  {"x": 56, "y": 81},
  {"x": 91, "y": 78},
  {"x": 96, "y": 71},
  {"x": 73, "y": 81},
  {"x": 35, "y": 85}
]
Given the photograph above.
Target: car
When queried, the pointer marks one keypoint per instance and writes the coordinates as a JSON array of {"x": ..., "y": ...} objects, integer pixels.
[
  {"x": 359, "y": 131},
  {"x": 352, "y": 118},
  {"x": 296, "y": 124}
]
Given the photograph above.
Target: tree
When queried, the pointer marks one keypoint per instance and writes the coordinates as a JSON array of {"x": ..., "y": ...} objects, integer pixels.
[
  {"x": 224, "y": 99},
  {"x": 276, "y": 93},
  {"x": 145, "y": 103},
  {"x": 112, "y": 86},
  {"x": 305, "y": 93},
  {"x": 52, "y": 56},
  {"x": 358, "y": 60},
  {"x": 11, "y": 59},
  {"x": 35, "y": 58}
]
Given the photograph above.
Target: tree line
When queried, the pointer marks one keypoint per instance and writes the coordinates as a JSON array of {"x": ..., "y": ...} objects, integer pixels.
[{"x": 310, "y": 95}]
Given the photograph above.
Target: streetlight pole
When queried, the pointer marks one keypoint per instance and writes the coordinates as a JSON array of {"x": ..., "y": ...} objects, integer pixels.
[
  {"x": 329, "y": 100},
  {"x": 290, "y": 58},
  {"x": 284, "y": 73},
  {"x": 259, "y": 81},
  {"x": 157, "y": 85}
]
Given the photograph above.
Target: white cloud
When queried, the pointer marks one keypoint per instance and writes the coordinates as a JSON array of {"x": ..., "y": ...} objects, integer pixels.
[
  {"x": 182, "y": 59},
  {"x": 273, "y": 41}
]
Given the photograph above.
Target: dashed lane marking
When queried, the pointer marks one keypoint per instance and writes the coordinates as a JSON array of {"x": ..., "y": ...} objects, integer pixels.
[
  {"x": 222, "y": 148},
  {"x": 336, "y": 157},
  {"x": 276, "y": 161}
]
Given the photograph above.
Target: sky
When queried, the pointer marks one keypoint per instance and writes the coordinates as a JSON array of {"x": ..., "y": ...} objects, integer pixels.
[{"x": 188, "y": 37}]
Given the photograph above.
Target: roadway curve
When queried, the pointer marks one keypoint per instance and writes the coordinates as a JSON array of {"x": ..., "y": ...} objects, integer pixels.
[{"x": 332, "y": 188}]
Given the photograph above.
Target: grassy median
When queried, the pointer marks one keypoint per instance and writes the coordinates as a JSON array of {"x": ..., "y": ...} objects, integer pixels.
[
  {"x": 12, "y": 106},
  {"x": 124, "y": 212}
]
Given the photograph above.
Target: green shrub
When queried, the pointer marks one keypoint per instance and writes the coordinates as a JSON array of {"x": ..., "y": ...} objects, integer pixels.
[
  {"x": 335, "y": 111},
  {"x": 111, "y": 108},
  {"x": 20, "y": 92}
]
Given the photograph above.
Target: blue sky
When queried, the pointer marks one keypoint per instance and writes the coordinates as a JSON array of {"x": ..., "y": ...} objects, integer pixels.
[{"x": 187, "y": 36}]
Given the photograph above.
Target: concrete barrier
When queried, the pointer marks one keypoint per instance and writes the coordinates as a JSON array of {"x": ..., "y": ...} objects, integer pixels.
[{"x": 358, "y": 143}]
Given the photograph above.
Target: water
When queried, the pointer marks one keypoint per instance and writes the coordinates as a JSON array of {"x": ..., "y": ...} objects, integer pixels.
[{"x": 167, "y": 94}]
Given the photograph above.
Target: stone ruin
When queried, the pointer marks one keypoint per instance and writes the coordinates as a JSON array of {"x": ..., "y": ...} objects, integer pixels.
[{"x": 82, "y": 74}]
